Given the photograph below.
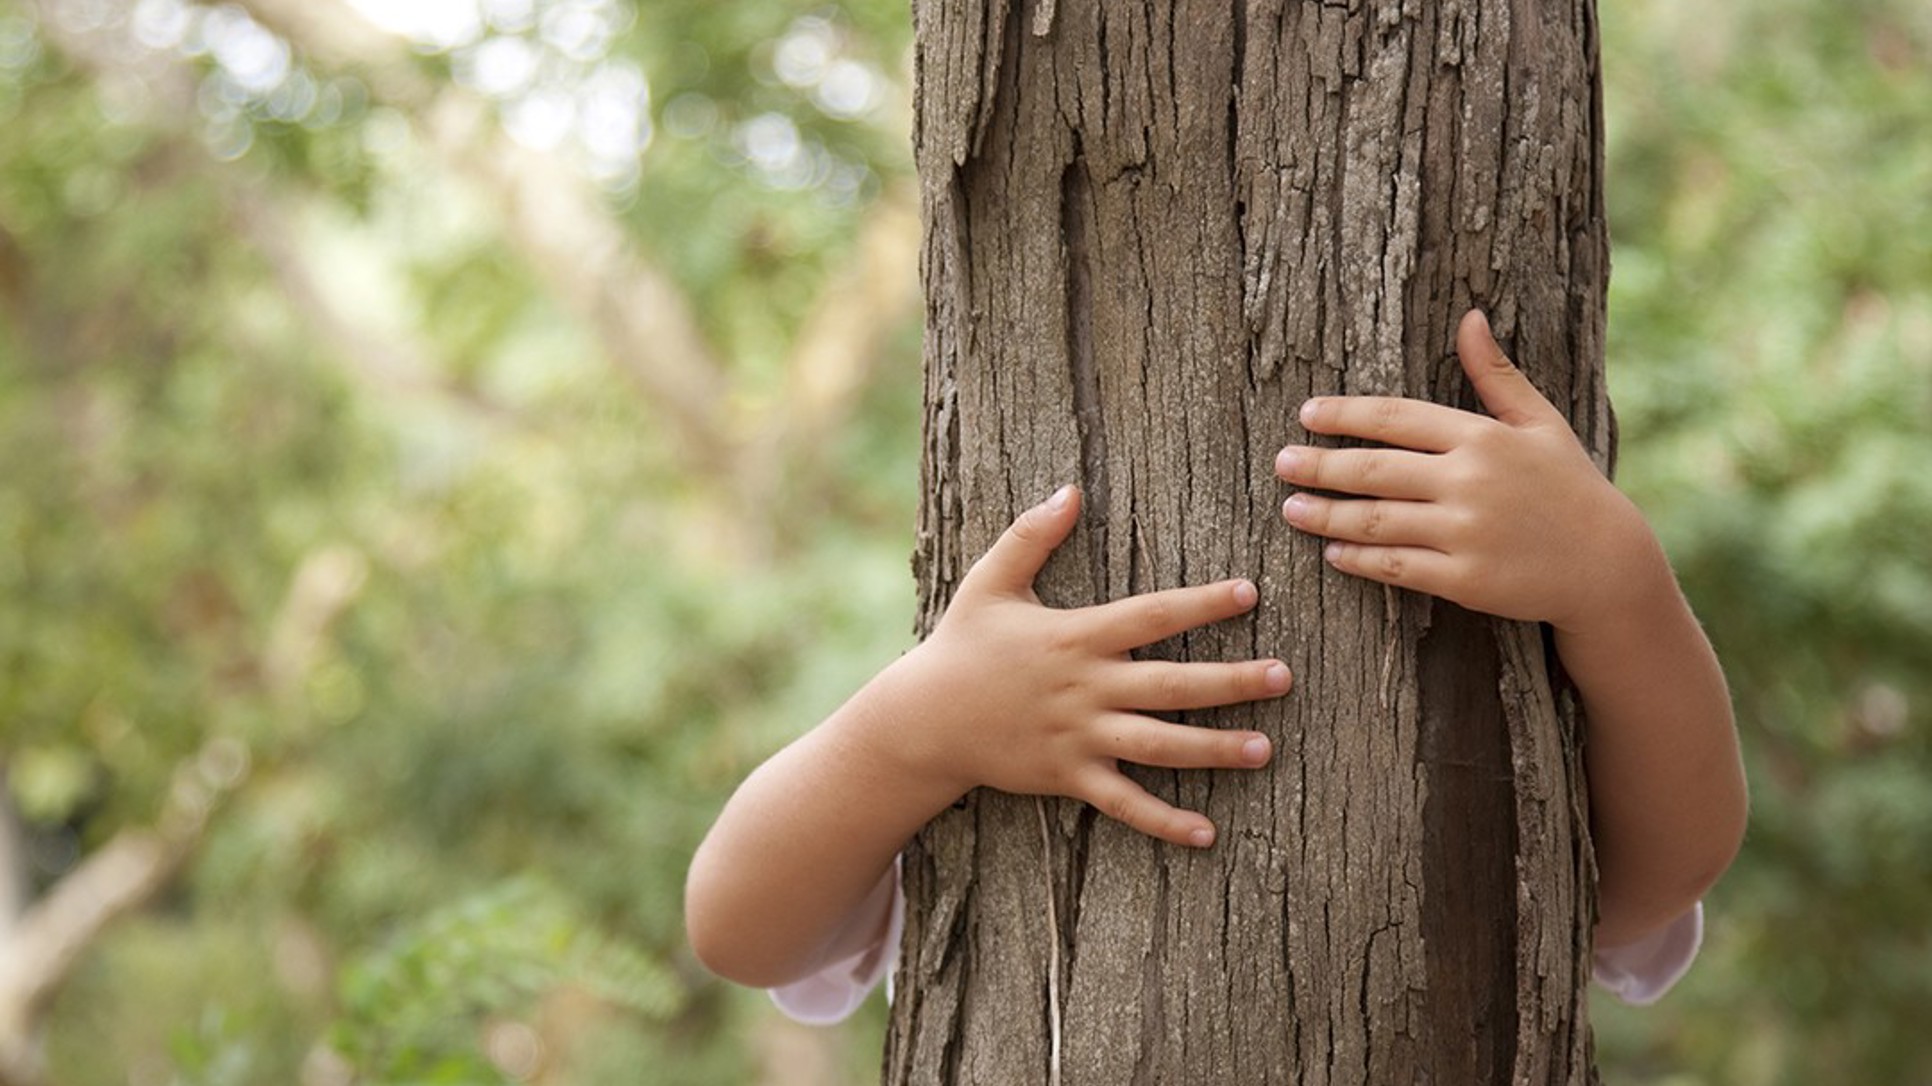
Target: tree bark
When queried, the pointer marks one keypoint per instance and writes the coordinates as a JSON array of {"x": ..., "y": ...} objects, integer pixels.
[{"x": 1151, "y": 231}]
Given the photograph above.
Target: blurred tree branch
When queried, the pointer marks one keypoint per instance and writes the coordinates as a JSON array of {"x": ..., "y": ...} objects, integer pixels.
[
  {"x": 386, "y": 364},
  {"x": 841, "y": 345},
  {"x": 42, "y": 942},
  {"x": 553, "y": 216},
  {"x": 562, "y": 226}
]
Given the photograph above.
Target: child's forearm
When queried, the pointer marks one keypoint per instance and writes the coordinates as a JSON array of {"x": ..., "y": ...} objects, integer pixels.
[
  {"x": 1508, "y": 515},
  {"x": 1006, "y": 693},
  {"x": 792, "y": 875},
  {"x": 1667, "y": 793}
]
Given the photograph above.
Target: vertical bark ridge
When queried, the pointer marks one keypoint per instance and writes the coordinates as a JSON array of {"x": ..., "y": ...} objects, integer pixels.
[{"x": 1076, "y": 235}]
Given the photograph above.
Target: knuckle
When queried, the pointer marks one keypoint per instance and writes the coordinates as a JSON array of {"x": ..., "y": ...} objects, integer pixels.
[
  {"x": 1461, "y": 475},
  {"x": 1232, "y": 747},
  {"x": 1170, "y": 686},
  {"x": 1225, "y": 684},
  {"x": 1316, "y": 513},
  {"x": 1157, "y": 613},
  {"x": 1313, "y": 467},
  {"x": 1490, "y": 437},
  {"x": 1385, "y": 413},
  {"x": 1367, "y": 469},
  {"x": 1170, "y": 826},
  {"x": 1374, "y": 521},
  {"x": 1023, "y": 527},
  {"x": 1062, "y": 639},
  {"x": 1118, "y": 805},
  {"x": 1392, "y": 564},
  {"x": 1069, "y": 696}
]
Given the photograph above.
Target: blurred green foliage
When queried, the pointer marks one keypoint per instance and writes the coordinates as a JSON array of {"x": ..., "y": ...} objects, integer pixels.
[
  {"x": 1771, "y": 357},
  {"x": 320, "y": 490}
]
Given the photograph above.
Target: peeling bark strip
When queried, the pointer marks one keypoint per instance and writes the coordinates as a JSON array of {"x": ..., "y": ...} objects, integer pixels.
[{"x": 1152, "y": 230}]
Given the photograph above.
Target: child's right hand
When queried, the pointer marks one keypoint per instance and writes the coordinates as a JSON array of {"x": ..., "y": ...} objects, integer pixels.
[{"x": 1026, "y": 698}]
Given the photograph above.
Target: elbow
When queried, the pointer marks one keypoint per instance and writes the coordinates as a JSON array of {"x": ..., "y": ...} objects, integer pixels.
[
  {"x": 1731, "y": 836},
  {"x": 721, "y": 946},
  {"x": 733, "y": 965},
  {"x": 722, "y": 957},
  {"x": 708, "y": 938},
  {"x": 1634, "y": 904},
  {"x": 718, "y": 956},
  {"x": 706, "y": 943},
  {"x": 1722, "y": 841}
]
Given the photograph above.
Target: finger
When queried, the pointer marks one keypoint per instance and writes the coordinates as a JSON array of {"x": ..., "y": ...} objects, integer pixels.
[
  {"x": 1146, "y": 741},
  {"x": 1129, "y": 804},
  {"x": 1412, "y": 424},
  {"x": 1162, "y": 685},
  {"x": 1416, "y": 568},
  {"x": 1016, "y": 558},
  {"x": 1366, "y": 520},
  {"x": 1157, "y": 616},
  {"x": 1382, "y": 473},
  {"x": 1508, "y": 395}
]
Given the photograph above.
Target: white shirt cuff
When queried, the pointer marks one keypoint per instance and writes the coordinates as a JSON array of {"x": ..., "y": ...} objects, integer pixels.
[
  {"x": 1641, "y": 972},
  {"x": 831, "y": 995}
]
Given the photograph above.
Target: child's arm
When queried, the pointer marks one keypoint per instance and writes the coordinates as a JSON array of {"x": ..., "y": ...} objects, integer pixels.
[
  {"x": 1507, "y": 515},
  {"x": 1006, "y": 693}
]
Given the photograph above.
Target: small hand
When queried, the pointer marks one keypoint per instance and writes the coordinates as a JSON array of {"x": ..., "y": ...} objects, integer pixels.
[
  {"x": 1505, "y": 515},
  {"x": 1035, "y": 700}
]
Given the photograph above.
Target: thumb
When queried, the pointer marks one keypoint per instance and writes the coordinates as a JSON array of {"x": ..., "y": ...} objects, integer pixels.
[
  {"x": 1503, "y": 389},
  {"x": 1017, "y": 557}
]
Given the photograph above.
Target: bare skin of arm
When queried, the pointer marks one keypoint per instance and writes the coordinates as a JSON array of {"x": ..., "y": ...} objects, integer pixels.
[
  {"x": 1005, "y": 693},
  {"x": 1506, "y": 514}
]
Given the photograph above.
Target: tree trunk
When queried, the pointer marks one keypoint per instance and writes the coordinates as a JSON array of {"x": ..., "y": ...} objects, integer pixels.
[{"x": 1152, "y": 230}]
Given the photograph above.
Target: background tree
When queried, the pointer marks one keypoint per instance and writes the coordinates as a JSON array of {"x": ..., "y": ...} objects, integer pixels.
[
  {"x": 277, "y": 325},
  {"x": 1152, "y": 231}
]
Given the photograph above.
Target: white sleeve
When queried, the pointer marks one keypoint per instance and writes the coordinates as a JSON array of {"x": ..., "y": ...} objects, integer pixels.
[
  {"x": 836, "y": 990},
  {"x": 1643, "y": 971}
]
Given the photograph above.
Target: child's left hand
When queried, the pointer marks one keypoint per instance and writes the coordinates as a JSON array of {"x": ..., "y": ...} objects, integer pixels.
[{"x": 1505, "y": 515}]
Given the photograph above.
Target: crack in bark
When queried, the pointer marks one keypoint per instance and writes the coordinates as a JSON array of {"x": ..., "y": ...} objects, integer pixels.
[{"x": 1076, "y": 211}]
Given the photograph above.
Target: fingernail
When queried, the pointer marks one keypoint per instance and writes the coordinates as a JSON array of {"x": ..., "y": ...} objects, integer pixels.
[
  {"x": 1295, "y": 508},
  {"x": 1286, "y": 461},
  {"x": 1060, "y": 498},
  {"x": 1332, "y": 552},
  {"x": 1277, "y": 678},
  {"x": 1201, "y": 838},
  {"x": 1255, "y": 751},
  {"x": 1309, "y": 409},
  {"x": 1245, "y": 594}
]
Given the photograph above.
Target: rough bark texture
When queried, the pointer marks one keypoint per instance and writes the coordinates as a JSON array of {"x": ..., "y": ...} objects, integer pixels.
[{"x": 1152, "y": 230}]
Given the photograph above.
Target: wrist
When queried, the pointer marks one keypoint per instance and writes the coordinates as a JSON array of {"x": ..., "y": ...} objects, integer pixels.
[
  {"x": 1629, "y": 585},
  {"x": 895, "y": 724}
]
